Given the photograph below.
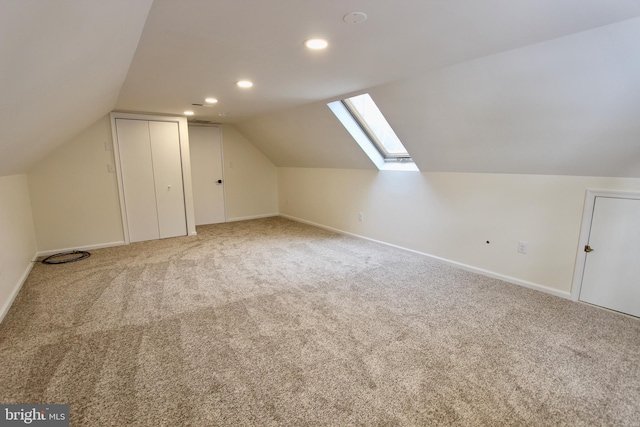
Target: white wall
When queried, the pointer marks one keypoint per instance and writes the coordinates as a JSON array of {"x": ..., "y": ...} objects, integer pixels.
[
  {"x": 251, "y": 179},
  {"x": 17, "y": 238},
  {"x": 74, "y": 198},
  {"x": 453, "y": 215}
]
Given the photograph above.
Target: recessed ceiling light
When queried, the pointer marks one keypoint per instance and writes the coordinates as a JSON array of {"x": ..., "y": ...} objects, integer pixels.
[
  {"x": 316, "y": 44},
  {"x": 188, "y": 113},
  {"x": 210, "y": 100},
  {"x": 244, "y": 84}
]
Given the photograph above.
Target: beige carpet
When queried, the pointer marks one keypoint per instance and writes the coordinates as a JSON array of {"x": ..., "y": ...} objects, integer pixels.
[{"x": 272, "y": 322}]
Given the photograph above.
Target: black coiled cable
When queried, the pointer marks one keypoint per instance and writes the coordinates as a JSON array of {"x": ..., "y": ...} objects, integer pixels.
[{"x": 65, "y": 257}]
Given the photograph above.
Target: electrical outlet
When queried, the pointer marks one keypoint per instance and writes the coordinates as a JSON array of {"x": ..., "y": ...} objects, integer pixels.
[
  {"x": 523, "y": 247},
  {"x": 361, "y": 216}
]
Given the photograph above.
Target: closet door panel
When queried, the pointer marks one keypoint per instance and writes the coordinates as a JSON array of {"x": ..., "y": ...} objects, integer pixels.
[
  {"x": 167, "y": 173},
  {"x": 137, "y": 178}
]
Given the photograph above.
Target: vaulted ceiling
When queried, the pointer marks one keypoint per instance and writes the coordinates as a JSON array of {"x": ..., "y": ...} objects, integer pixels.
[
  {"x": 62, "y": 64},
  {"x": 533, "y": 86}
]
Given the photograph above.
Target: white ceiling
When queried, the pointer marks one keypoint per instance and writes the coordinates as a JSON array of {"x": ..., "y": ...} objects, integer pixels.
[
  {"x": 66, "y": 63},
  {"x": 191, "y": 49},
  {"x": 567, "y": 106},
  {"x": 62, "y": 63}
]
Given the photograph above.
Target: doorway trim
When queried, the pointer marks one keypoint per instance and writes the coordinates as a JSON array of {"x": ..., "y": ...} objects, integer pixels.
[{"x": 585, "y": 231}]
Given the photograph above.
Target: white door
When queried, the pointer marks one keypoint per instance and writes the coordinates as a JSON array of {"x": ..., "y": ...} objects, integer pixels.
[
  {"x": 151, "y": 170},
  {"x": 206, "y": 174},
  {"x": 611, "y": 276},
  {"x": 167, "y": 174},
  {"x": 136, "y": 168}
]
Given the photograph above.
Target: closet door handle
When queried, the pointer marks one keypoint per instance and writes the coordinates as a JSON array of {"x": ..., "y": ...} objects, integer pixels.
[{"x": 219, "y": 181}]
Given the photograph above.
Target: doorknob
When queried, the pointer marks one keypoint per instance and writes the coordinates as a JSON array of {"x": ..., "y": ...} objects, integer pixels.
[
  {"x": 588, "y": 248},
  {"x": 219, "y": 181}
]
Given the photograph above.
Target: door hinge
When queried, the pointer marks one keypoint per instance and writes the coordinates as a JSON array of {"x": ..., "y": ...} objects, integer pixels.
[{"x": 587, "y": 248}]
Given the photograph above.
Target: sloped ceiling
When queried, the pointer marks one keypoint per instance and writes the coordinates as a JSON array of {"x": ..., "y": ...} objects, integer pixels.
[
  {"x": 468, "y": 85},
  {"x": 567, "y": 106},
  {"x": 192, "y": 49},
  {"x": 62, "y": 64}
]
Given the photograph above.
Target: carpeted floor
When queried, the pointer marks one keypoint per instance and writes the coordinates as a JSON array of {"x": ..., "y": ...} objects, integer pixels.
[{"x": 272, "y": 322}]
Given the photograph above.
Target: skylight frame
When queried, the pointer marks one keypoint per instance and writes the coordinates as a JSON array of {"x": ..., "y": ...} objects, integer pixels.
[
  {"x": 362, "y": 135},
  {"x": 375, "y": 140}
]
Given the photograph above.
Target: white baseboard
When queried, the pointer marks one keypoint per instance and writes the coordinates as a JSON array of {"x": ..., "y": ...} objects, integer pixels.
[
  {"x": 81, "y": 248},
  {"x": 509, "y": 279},
  {"x": 246, "y": 218},
  {"x": 16, "y": 290}
]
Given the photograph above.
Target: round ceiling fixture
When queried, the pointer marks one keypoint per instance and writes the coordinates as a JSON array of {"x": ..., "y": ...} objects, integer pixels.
[
  {"x": 188, "y": 113},
  {"x": 354, "y": 17},
  {"x": 316, "y": 44},
  {"x": 210, "y": 100}
]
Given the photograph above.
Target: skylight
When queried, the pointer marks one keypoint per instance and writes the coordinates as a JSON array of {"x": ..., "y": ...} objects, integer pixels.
[
  {"x": 366, "y": 112},
  {"x": 367, "y": 125}
]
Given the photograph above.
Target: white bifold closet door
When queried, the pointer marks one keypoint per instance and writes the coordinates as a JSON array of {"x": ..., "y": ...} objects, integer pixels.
[{"x": 152, "y": 181}]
